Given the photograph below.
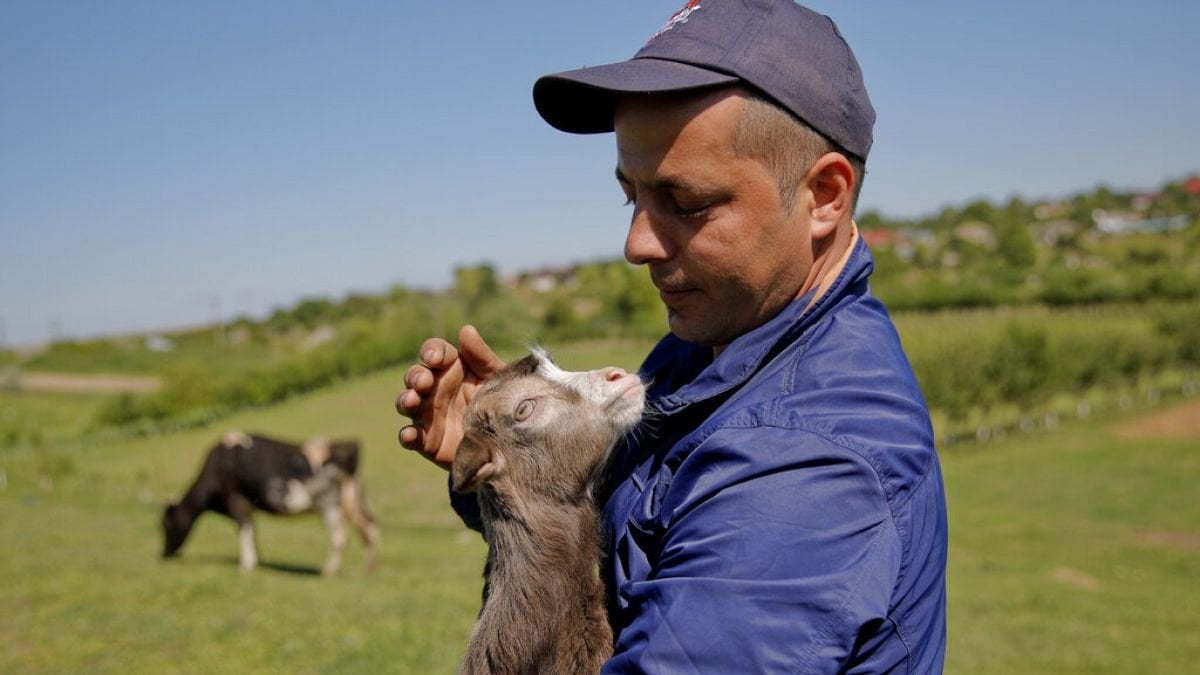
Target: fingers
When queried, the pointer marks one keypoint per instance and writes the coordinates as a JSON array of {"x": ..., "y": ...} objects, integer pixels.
[
  {"x": 449, "y": 388},
  {"x": 437, "y": 353},
  {"x": 480, "y": 358},
  {"x": 438, "y": 391},
  {"x": 419, "y": 381},
  {"x": 410, "y": 437}
]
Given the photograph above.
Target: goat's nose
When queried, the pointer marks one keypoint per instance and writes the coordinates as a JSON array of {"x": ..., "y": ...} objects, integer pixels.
[{"x": 614, "y": 374}]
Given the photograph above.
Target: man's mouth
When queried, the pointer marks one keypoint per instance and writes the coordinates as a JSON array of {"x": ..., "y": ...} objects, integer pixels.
[
  {"x": 669, "y": 295},
  {"x": 671, "y": 290}
]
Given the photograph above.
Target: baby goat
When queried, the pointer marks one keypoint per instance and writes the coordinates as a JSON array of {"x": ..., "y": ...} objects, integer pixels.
[{"x": 536, "y": 440}]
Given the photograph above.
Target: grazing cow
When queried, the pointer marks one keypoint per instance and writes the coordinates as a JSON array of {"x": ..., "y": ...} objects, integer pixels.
[{"x": 247, "y": 472}]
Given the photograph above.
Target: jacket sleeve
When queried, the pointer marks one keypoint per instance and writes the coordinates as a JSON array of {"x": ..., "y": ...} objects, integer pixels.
[{"x": 768, "y": 550}]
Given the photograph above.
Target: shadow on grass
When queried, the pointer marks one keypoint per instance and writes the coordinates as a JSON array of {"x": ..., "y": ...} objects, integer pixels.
[
  {"x": 232, "y": 561},
  {"x": 306, "y": 570}
]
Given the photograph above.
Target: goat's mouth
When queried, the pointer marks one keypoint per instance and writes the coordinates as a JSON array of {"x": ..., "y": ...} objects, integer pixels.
[
  {"x": 627, "y": 405},
  {"x": 632, "y": 394},
  {"x": 632, "y": 390}
]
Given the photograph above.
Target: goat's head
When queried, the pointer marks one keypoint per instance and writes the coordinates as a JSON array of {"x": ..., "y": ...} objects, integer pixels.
[{"x": 540, "y": 430}]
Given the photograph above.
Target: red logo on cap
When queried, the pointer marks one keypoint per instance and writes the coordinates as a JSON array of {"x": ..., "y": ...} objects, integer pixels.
[{"x": 680, "y": 16}]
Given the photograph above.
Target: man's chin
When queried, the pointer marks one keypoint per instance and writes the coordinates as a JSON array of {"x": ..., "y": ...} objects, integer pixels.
[{"x": 705, "y": 335}]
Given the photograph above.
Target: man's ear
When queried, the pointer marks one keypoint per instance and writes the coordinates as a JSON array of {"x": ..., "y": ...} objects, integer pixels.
[
  {"x": 831, "y": 182},
  {"x": 474, "y": 464}
]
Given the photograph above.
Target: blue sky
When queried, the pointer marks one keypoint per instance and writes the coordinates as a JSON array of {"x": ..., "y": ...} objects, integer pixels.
[{"x": 166, "y": 163}]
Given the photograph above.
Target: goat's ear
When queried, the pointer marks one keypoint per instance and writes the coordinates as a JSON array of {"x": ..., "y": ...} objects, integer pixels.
[{"x": 474, "y": 464}]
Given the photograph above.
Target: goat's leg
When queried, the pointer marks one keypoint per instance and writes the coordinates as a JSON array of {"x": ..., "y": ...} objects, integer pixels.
[
  {"x": 337, "y": 538},
  {"x": 354, "y": 505}
]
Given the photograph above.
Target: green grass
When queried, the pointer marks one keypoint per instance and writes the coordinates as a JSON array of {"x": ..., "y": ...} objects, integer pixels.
[
  {"x": 1071, "y": 552},
  {"x": 51, "y": 417},
  {"x": 222, "y": 361},
  {"x": 85, "y": 591}
]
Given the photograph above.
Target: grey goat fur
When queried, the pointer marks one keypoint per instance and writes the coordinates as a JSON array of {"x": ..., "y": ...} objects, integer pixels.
[{"x": 536, "y": 440}]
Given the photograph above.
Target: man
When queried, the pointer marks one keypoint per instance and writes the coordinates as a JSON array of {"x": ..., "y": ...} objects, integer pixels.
[{"x": 785, "y": 510}]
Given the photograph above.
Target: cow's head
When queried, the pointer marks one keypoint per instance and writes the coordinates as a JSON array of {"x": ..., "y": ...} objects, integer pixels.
[{"x": 176, "y": 523}]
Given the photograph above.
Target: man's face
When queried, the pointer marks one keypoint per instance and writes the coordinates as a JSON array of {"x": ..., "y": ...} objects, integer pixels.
[{"x": 725, "y": 253}]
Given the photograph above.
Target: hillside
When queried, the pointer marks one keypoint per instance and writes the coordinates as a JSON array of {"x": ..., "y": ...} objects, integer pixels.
[
  {"x": 1131, "y": 258},
  {"x": 1063, "y": 547}
]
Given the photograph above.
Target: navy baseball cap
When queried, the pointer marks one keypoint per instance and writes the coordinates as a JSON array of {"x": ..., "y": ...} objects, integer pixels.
[{"x": 792, "y": 54}]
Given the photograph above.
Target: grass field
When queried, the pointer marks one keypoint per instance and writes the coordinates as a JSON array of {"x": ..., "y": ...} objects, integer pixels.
[{"x": 1072, "y": 551}]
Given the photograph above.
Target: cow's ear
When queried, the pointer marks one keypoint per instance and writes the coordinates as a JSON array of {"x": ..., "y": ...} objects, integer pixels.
[{"x": 474, "y": 464}]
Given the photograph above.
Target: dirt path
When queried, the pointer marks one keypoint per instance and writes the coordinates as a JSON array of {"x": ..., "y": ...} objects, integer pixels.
[
  {"x": 1179, "y": 421},
  {"x": 92, "y": 384}
]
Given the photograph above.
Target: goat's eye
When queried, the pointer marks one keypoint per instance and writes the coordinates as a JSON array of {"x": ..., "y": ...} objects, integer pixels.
[{"x": 524, "y": 410}]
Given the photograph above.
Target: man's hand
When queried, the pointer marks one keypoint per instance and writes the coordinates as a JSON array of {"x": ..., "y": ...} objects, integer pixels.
[{"x": 438, "y": 391}]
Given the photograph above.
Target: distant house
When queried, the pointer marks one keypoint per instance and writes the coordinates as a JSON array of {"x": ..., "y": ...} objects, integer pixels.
[
  {"x": 319, "y": 336},
  {"x": 1145, "y": 200},
  {"x": 1120, "y": 223},
  {"x": 903, "y": 242},
  {"x": 1048, "y": 210},
  {"x": 240, "y": 335},
  {"x": 977, "y": 233},
  {"x": 546, "y": 280},
  {"x": 1057, "y": 230},
  {"x": 879, "y": 239},
  {"x": 1192, "y": 185},
  {"x": 159, "y": 343}
]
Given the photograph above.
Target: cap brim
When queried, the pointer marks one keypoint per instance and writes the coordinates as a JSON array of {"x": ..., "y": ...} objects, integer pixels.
[{"x": 582, "y": 101}]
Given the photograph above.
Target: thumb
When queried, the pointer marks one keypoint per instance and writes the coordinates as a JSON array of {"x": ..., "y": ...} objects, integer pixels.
[{"x": 478, "y": 356}]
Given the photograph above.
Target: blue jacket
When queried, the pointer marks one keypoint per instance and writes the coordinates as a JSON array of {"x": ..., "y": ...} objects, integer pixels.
[{"x": 782, "y": 510}]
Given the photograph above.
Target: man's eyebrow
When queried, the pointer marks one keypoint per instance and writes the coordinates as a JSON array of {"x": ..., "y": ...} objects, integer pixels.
[{"x": 664, "y": 183}]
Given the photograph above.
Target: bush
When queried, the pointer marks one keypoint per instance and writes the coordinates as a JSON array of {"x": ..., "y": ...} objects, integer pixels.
[
  {"x": 978, "y": 360},
  {"x": 1017, "y": 368},
  {"x": 1179, "y": 325},
  {"x": 1079, "y": 286}
]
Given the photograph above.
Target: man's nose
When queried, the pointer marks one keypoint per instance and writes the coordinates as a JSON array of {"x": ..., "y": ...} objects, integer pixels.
[{"x": 645, "y": 242}]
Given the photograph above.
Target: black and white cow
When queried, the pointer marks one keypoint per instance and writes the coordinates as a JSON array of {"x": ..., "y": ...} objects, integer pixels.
[{"x": 247, "y": 472}]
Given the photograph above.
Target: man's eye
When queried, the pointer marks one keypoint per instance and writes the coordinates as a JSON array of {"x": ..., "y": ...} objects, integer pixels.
[{"x": 691, "y": 211}]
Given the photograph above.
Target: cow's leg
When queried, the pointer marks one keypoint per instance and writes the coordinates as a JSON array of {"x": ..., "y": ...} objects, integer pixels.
[
  {"x": 242, "y": 512},
  {"x": 337, "y": 537},
  {"x": 248, "y": 553},
  {"x": 354, "y": 504}
]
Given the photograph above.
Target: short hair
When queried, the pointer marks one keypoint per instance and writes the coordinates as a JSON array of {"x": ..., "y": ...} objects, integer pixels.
[{"x": 786, "y": 145}]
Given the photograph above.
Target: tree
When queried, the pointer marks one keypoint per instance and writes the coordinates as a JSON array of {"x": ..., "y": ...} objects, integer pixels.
[
  {"x": 1014, "y": 243},
  {"x": 476, "y": 285}
]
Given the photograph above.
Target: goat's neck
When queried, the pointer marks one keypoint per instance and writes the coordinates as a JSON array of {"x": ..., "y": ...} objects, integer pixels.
[
  {"x": 543, "y": 605},
  {"x": 551, "y": 537}
]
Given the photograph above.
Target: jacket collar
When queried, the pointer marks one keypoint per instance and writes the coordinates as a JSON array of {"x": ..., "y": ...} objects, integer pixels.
[{"x": 682, "y": 373}]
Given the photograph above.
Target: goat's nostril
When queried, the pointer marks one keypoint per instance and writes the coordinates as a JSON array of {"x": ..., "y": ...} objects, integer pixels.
[{"x": 615, "y": 374}]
